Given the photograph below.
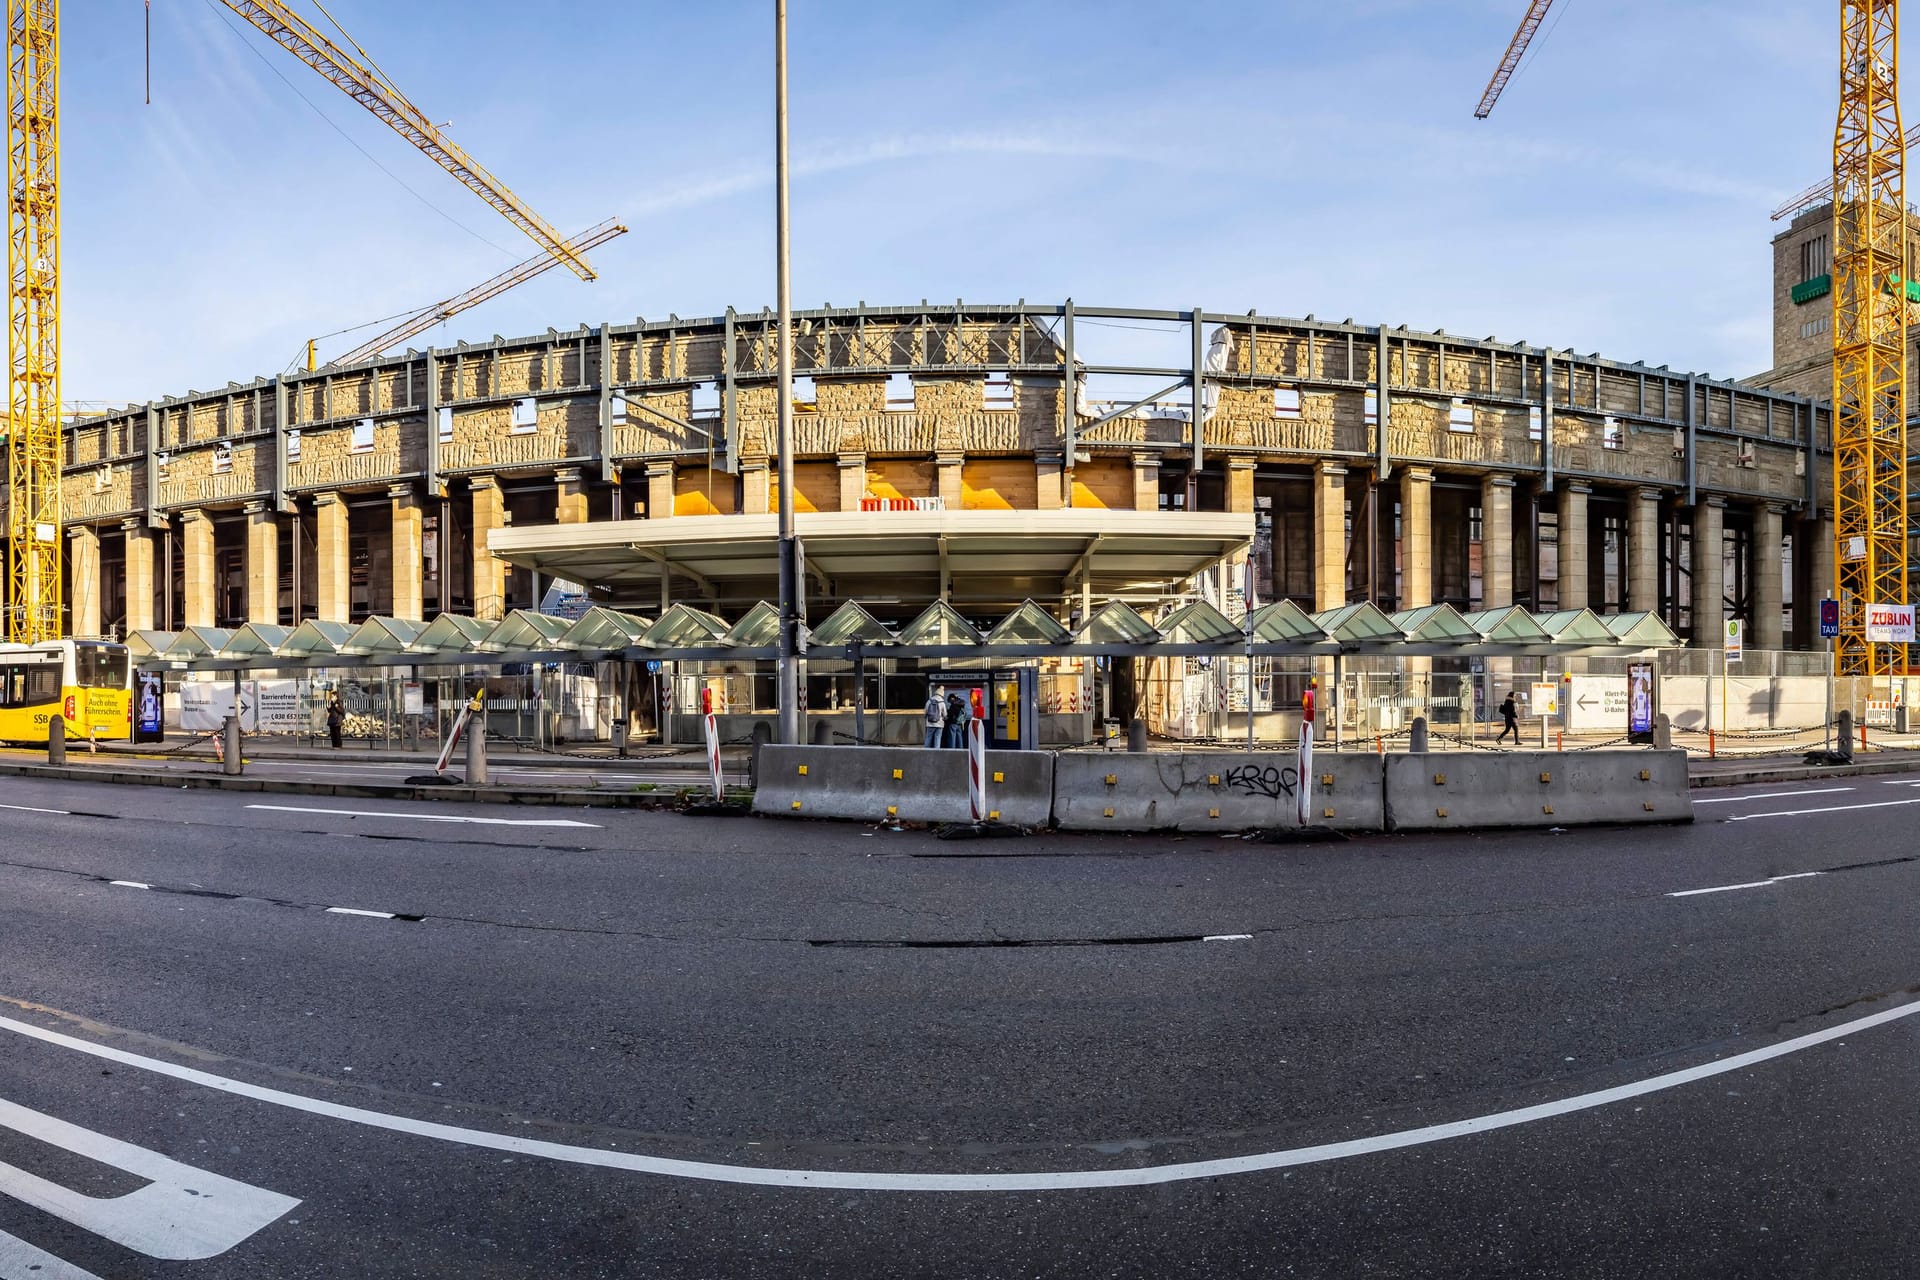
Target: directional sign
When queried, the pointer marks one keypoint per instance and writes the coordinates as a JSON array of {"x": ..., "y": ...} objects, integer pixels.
[{"x": 1829, "y": 619}]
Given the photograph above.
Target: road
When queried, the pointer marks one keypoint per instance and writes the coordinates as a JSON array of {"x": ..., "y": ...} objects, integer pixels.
[{"x": 265, "y": 1036}]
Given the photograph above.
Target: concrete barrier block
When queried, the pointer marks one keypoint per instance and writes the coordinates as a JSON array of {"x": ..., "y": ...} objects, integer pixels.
[
  {"x": 1212, "y": 791},
  {"x": 916, "y": 784},
  {"x": 1535, "y": 789}
]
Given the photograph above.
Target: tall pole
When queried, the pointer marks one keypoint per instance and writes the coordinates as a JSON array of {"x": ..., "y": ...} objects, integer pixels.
[{"x": 789, "y": 673}]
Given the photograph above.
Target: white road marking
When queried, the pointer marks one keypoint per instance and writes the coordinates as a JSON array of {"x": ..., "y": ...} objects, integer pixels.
[
  {"x": 27, "y": 808},
  {"x": 1751, "y": 884},
  {"x": 355, "y": 911},
  {"x": 1061, "y": 1180},
  {"x": 1778, "y": 795},
  {"x": 181, "y": 1214},
  {"x": 1839, "y": 808},
  {"x": 21, "y": 1261},
  {"x": 428, "y": 817},
  {"x": 1227, "y": 937},
  {"x": 130, "y": 884}
]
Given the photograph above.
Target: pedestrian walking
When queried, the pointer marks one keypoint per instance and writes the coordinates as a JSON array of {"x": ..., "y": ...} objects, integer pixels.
[
  {"x": 336, "y": 721},
  {"x": 936, "y": 717},
  {"x": 1511, "y": 715},
  {"x": 956, "y": 721}
]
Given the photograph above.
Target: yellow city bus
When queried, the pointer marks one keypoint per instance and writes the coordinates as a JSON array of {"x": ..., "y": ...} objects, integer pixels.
[{"x": 88, "y": 683}]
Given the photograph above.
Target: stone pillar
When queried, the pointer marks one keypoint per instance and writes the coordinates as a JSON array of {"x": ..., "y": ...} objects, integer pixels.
[
  {"x": 1329, "y": 535},
  {"x": 1575, "y": 546},
  {"x": 1416, "y": 537},
  {"x": 1765, "y": 574},
  {"x": 139, "y": 571},
  {"x": 1643, "y": 552},
  {"x": 196, "y": 550},
  {"x": 332, "y": 559},
  {"x": 263, "y": 564},
  {"x": 1818, "y": 534},
  {"x": 659, "y": 490},
  {"x": 409, "y": 523},
  {"x": 83, "y": 569},
  {"x": 1240, "y": 484},
  {"x": 1707, "y": 570},
  {"x": 950, "y": 486},
  {"x": 570, "y": 504},
  {"x": 755, "y": 493},
  {"x": 489, "y": 575},
  {"x": 1496, "y": 542},
  {"x": 1146, "y": 482},
  {"x": 1048, "y": 474},
  {"x": 853, "y": 481}
]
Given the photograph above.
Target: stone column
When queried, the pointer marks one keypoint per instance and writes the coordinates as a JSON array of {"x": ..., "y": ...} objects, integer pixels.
[
  {"x": 950, "y": 478},
  {"x": 659, "y": 490},
  {"x": 1575, "y": 546},
  {"x": 1416, "y": 537},
  {"x": 196, "y": 550},
  {"x": 755, "y": 494},
  {"x": 1048, "y": 475},
  {"x": 1240, "y": 484},
  {"x": 332, "y": 559},
  {"x": 489, "y": 575},
  {"x": 83, "y": 569},
  {"x": 570, "y": 504},
  {"x": 139, "y": 571},
  {"x": 263, "y": 564},
  {"x": 1707, "y": 571},
  {"x": 1146, "y": 482},
  {"x": 1817, "y": 540},
  {"x": 1496, "y": 542},
  {"x": 1643, "y": 552},
  {"x": 409, "y": 524},
  {"x": 1765, "y": 574},
  {"x": 853, "y": 480},
  {"x": 1329, "y": 535}
]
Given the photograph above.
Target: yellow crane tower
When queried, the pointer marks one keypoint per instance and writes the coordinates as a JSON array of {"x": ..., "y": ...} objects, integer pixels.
[
  {"x": 34, "y": 588},
  {"x": 1870, "y": 290}
]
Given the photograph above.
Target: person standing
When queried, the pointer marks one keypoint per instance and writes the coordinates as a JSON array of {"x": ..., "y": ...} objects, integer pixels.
[
  {"x": 936, "y": 717},
  {"x": 1511, "y": 715},
  {"x": 956, "y": 720},
  {"x": 336, "y": 721}
]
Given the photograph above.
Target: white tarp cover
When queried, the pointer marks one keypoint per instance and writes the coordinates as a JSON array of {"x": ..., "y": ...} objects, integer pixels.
[{"x": 266, "y": 706}]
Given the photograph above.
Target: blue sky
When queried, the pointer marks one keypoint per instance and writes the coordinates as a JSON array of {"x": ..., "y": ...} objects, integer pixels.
[{"x": 1287, "y": 156}]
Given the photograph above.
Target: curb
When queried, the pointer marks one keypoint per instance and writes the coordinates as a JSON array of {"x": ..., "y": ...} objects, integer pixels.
[{"x": 1802, "y": 773}]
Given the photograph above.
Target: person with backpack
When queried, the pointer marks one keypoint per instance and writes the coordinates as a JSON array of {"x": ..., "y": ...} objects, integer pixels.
[
  {"x": 1511, "y": 714},
  {"x": 956, "y": 721},
  {"x": 936, "y": 717}
]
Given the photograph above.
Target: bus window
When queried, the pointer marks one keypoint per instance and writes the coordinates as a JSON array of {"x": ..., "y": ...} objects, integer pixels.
[
  {"x": 99, "y": 667},
  {"x": 43, "y": 683}
]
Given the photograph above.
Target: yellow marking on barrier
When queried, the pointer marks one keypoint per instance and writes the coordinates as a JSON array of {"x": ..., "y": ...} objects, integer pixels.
[
  {"x": 803, "y": 771},
  {"x": 1546, "y": 808},
  {"x": 1647, "y": 805},
  {"x": 1439, "y": 813},
  {"x": 1645, "y": 776},
  {"x": 1326, "y": 779},
  {"x": 1112, "y": 780},
  {"x": 1439, "y": 779},
  {"x": 899, "y": 773},
  {"x": 1213, "y": 779},
  {"x": 1213, "y": 813},
  {"x": 1106, "y": 813},
  {"x": 1546, "y": 777},
  {"x": 1326, "y": 813},
  {"x": 796, "y": 804},
  {"x": 999, "y": 777},
  {"x": 994, "y": 814}
]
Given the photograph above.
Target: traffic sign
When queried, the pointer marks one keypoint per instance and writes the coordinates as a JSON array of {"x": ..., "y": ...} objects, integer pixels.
[
  {"x": 1829, "y": 619},
  {"x": 1733, "y": 640}
]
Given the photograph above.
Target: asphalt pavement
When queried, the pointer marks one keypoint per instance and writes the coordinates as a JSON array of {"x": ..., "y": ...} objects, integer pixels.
[{"x": 249, "y": 1035}]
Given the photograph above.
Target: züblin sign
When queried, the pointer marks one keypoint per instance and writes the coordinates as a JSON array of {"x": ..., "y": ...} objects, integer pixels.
[{"x": 1889, "y": 624}]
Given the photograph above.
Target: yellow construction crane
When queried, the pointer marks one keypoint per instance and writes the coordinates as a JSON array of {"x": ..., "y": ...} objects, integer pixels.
[
  {"x": 427, "y": 317},
  {"x": 34, "y": 588},
  {"x": 1870, "y": 297}
]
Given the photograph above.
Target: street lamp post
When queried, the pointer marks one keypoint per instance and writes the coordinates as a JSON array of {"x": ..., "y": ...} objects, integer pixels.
[{"x": 788, "y": 679}]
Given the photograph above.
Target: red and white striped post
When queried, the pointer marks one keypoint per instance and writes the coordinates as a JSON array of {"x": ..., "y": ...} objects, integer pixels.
[
  {"x": 459, "y": 724},
  {"x": 1303, "y": 767},
  {"x": 713, "y": 742},
  {"x": 977, "y": 767}
]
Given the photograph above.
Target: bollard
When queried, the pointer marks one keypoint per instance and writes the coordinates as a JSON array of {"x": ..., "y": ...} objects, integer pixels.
[
  {"x": 1417, "y": 737},
  {"x": 1900, "y": 717},
  {"x": 1662, "y": 732},
  {"x": 230, "y": 738},
  {"x": 1136, "y": 735},
  {"x": 477, "y": 753},
  {"x": 1843, "y": 736},
  {"x": 57, "y": 739},
  {"x": 1559, "y": 739},
  {"x": 1709, "y": 744},
  {"x": 1379, "y": 747}
]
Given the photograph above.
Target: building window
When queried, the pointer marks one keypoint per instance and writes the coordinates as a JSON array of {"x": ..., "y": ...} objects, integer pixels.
[
  {"x": 526, "y": 417},
  {"x": 444, "y": 425},
  {"x": 1611, "y": 436},
  {"x": 293, "y": 446},
  {"x": 1533, "y": 423},
  {"x": 222, "y": 459},
  {"x": 616, "y": 410},
  {"x": 1814, "y": 328},
  {"x": 363, "y": 435},
  {"x": 1286, "y": 402},
  {"x": 1371, "y": 412},
  {"x": 1814, "y": 258},
  {"x": 1460, "y": 416},
  {"x": 703, "y": 400},
  {"x": 999, "y": 393}
]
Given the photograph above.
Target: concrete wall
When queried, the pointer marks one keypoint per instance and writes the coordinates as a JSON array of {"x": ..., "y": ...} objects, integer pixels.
[
  {"x": 1212, "y": 791},
  {"x": 872, "y": 784},
  {"x": 1535, "y": 789}
]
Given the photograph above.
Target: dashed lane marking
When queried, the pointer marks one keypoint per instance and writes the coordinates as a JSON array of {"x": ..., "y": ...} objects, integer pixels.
[
  {"x": 1751, "y": 884},
  {"x": 1838, "y": 808},
  {"x": 130, "y": 884},
  {"x": 1782, "y": 795},
  {"x": 27, "y": 808},
  {"x": 427, "y": 817},
  {"x": 1060, "y": 1180},
  {"x": 356, "y": 911}
]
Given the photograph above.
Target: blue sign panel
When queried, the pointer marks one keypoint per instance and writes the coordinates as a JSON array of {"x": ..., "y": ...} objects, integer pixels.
[
  {"x": 149, "y": 698},
  {"x": 1829, "y": 619}
]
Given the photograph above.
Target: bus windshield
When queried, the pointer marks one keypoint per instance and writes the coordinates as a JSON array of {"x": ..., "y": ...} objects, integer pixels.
[{"x": 100, "y": 666}]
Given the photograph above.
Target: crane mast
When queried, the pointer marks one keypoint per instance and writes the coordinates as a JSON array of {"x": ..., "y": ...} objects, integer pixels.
[
  {"x": 34, "y": 587},
  {"x": 1869, "y": 334},
  {"x": 1510, "y": 60}
]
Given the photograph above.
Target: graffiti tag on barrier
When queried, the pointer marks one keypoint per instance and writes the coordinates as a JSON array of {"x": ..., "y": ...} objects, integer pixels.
[{"x": 1272, "y": 781}]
